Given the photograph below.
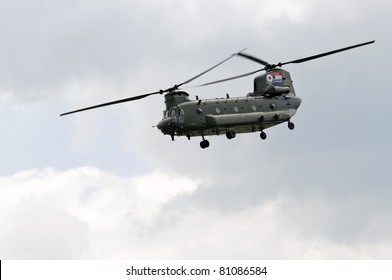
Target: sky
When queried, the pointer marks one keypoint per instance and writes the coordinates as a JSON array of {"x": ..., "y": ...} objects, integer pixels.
[{"x": 106, "y": 184}]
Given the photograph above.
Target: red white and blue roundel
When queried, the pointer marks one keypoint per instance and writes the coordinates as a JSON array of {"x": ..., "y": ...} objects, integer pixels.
[{"x": 274, "y": 77}]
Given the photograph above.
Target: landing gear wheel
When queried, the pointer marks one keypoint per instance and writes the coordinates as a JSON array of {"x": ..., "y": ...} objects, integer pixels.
[
  {"x": 291, "y": 125},
  {"x": 230, "y": 134},
  {"x": 263, "y": 136},
  {"x": 204, "y": 144}
]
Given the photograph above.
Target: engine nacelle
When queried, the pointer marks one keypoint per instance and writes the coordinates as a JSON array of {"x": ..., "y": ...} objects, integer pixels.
[{"x": 272, "y": 90}]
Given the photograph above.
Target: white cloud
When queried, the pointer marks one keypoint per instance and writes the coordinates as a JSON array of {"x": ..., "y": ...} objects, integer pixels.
[
  {"x": 87, "y": 213},
  {"x": 34, "y": 229},
  {"x": 269, "y": 231},
  {"x": 82, "y": 211}
]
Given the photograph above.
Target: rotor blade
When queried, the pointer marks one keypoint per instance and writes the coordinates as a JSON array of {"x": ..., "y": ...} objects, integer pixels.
[
  {"x": 114, "y": 102},
  {"x": 231, "y": 78},
  {"x": 325, "y": 54},
  {"x": 174, "y": 88},
  {"x": 251, "y": 57},
  {"x": 208, "y": 70}
]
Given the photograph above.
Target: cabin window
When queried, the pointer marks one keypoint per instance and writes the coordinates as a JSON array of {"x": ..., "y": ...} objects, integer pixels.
[
  {"x": 236, "y": 109},
  {"x": 254, "y": 108},
  {"x": 217, "y": 110}
]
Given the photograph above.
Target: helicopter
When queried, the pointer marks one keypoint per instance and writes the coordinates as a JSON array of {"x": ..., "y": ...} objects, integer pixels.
[{"x": 272, "y": 102}]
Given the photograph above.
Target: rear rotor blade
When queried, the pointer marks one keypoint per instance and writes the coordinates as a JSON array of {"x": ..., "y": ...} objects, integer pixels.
[
  {"x": 271, "y": 66},
  {"x": 114, "y": 102},
  {"x": 231, "y": 78},
  {"x": 208, "y": 70},
  {"x": 325, "y": 54},
  {"x": 253, "y": 58}
]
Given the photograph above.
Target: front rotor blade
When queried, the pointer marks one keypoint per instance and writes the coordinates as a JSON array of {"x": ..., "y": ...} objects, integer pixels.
[
  {"x": 208, "y": 70},
  {"x": 113, "y": 102},
  {"x": 231, "y": 78},
  {"x": 325, "y": 54},
  {"x": 172, "y": 89}
]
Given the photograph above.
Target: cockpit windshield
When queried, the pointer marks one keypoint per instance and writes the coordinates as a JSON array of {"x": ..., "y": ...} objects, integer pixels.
[{"x": 172, "y": 112}]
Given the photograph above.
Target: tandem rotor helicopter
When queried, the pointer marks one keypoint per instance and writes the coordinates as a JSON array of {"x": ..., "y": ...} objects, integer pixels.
[{"x": 272, "y": 102}]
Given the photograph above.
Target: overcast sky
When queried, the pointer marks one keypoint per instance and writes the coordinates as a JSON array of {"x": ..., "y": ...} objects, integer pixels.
[{"x": 106, "y": 184}]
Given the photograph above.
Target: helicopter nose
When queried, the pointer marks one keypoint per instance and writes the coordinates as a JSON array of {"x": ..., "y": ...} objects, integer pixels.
[
  {"x": 162, "y": 124},
  {"x": 166, "y": 125}
]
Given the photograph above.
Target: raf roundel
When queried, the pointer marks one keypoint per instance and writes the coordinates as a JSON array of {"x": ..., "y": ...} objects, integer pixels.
[{"x": 269, "y": 78}]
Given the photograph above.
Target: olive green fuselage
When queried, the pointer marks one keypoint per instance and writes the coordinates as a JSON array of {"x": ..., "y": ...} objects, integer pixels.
[
  {"x": 272, "y": 102},
  {"x": 219, "y": 115}
]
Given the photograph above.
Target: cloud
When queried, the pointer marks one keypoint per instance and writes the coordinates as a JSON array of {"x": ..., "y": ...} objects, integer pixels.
[
  {"x": 88, "y": 213},
  {"x": 80, "y": 212},
  {"x": 32, "y": 229},
  {"x": 268, "y": 231},
  {"x": 48, "y": 45}
]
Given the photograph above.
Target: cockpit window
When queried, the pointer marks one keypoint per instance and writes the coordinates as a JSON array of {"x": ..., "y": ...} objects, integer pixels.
[{"x": 175, "y": 111}]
